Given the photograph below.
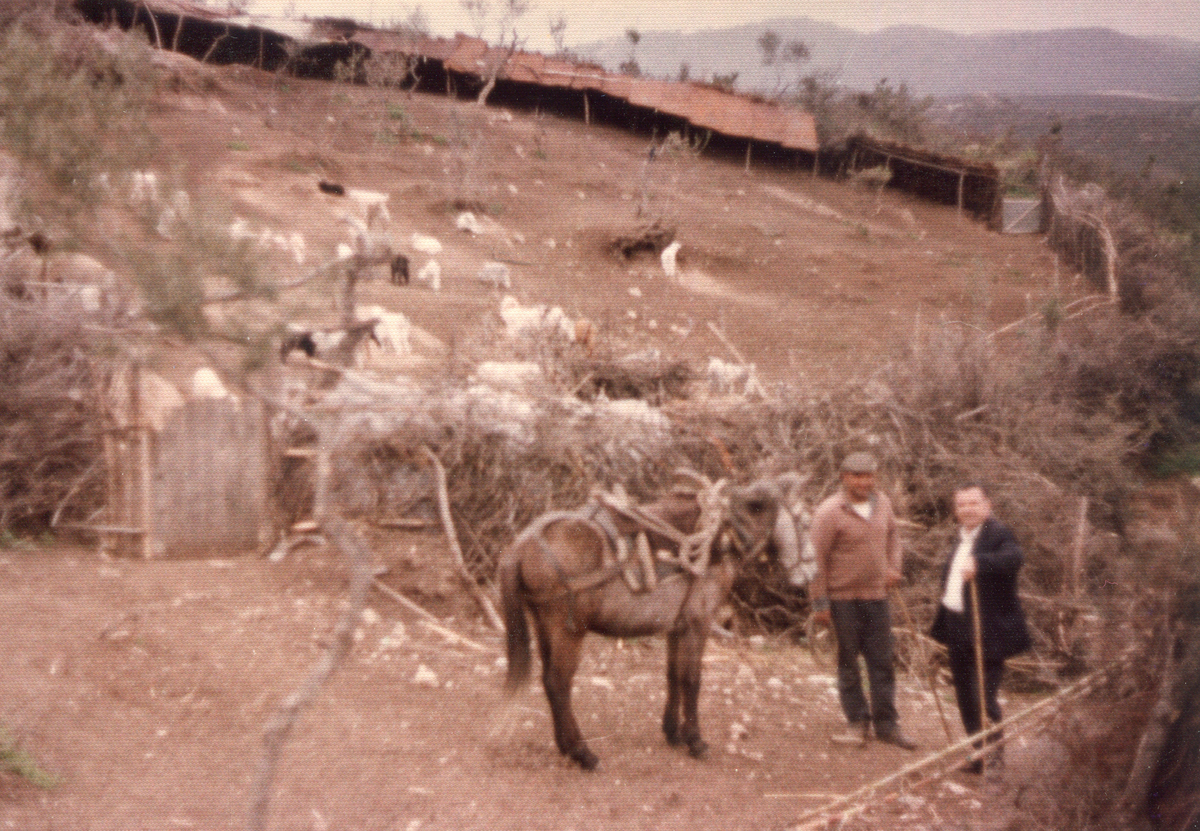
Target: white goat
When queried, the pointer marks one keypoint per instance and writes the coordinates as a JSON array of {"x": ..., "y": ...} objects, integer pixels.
[
  {"x": 425, "y": 244},
  {"x": 392, "y": 336},
  {"x": 467, "y": 221},
  {"x": 496, "y": 275},
  {"x": 207, "y": 384},
  {"x": 431, "y": 274},
  {"x": 515, "y": 376},
  {"x": 725, "y": 378},
  {"x": 526, "y": 321},
  {"x": 669, "y": 265},
  {"x": 267, "y": 240},
  {"x": 144, "y": 193},
  {"x": 372, "y": 203},
  {"x": 143, "y": 187}
]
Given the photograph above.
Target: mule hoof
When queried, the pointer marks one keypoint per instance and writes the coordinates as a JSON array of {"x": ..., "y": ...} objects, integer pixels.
[
  {"x": 673, "y": 737},
  {"x": 586, "y": 759},
  {"x": 698, "y": 749}
]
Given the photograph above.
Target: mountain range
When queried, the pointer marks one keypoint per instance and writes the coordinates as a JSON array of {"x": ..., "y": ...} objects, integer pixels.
[{"x": 929, "y": 61}]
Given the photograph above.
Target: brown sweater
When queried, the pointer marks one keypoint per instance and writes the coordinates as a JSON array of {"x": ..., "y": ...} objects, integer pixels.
[{"x": 854, "y": 556}]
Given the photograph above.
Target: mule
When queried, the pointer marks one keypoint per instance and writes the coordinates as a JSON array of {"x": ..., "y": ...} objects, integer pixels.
[{"x": 560, "y": 573}]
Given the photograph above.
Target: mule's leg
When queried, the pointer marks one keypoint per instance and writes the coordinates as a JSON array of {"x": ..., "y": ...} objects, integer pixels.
[
  {"x": 560, "y": 658},
  {"x": 670, "y": 724},
  {"x": 690, "y": 661}
]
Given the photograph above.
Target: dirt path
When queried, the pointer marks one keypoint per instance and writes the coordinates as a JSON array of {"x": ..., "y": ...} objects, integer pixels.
[{"x": 144, "y": 686}]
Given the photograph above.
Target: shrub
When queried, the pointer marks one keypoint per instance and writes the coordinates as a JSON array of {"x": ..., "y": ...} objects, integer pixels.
[
  {"x": 50, "y": 443},
  {"x": 15, "y": 760},
  {"x": 75, "y": 107}
]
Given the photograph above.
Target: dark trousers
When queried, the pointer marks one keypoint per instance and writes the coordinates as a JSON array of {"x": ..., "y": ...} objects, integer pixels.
[
  {"x": 966, "y": 688},
  {"x": 864, "y": 627}
]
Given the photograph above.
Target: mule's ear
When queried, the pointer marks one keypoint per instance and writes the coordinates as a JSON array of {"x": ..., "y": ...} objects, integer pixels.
[
  {"x": 787, "y": 539},
  {"x": 790, "y": 482}
]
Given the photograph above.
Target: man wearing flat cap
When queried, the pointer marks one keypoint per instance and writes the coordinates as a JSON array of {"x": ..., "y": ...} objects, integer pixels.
[{"x": 857, "y": 546}]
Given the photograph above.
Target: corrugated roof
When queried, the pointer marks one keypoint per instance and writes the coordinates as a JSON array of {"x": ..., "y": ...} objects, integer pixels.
[
  {"x": 916, "y": 155},
  {"x": 190, "y": 9},
  {"x": 703, "y": 105}
]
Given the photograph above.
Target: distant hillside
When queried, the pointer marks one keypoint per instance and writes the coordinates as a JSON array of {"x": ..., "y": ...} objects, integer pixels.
[
  {"x": 1127, "y": 133},
  {"x": 929, "y": 61}
]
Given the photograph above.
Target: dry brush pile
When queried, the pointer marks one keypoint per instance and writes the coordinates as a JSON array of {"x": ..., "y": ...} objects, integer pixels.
[
  {"x": 952, "y": 408},
  {"x": 50, "y": 445},
  {"x": 1060, "y": 420}
]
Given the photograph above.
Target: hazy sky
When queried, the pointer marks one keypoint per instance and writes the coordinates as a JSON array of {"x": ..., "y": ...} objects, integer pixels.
[{"x": 589, "y": 20}]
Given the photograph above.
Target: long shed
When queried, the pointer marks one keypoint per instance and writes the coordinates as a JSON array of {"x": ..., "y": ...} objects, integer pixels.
[
  {"x": 973, "y": 187},
  {"x": 462, "y": 64}
]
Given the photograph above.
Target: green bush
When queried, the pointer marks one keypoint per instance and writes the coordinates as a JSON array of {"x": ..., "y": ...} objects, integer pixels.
[
  {"x": 73, "y": 108},
  {"x": 181, "y": 277},
  {"x": 13, "y": 759}
]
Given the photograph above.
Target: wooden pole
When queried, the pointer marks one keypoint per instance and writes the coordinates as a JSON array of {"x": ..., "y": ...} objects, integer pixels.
[
  {"x": 428, "y": 619},
  {"x": 144, "y": 437},
  {"x": 108, "y": 542},
  {"x": 153, "y": 23},
  {"x": 338, "y": 645},
  {"x": 141, "y": 435},
  {"x": 977, "y": 631},
  {"x": 1077, "y": 548},
  {"x": 460, "y": 562},
  {"x": 112, "y": 511}
]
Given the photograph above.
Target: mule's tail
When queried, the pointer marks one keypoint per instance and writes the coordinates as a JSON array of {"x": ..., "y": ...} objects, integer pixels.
[{"x": 512, "y": 601}]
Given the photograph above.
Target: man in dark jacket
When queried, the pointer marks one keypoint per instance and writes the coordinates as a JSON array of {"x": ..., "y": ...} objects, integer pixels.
[{"x": 984, "y": 564}]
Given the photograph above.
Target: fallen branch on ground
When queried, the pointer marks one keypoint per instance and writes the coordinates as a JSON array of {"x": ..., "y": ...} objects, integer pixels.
[
  {"x": 473, "y": 587},
  {"x": 429, "y": 619},
  {"x": 944, "y": 760},
  {"x": 280, "y": 725}
]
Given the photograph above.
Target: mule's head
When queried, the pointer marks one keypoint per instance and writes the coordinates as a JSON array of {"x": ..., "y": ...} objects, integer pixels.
[{"x": 759, "y": 517}]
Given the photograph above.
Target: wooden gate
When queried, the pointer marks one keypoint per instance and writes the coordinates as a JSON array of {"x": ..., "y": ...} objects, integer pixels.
[{"x": 192, "y": 483}]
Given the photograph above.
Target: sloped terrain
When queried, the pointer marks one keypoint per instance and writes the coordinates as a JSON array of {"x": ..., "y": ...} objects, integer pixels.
[
  {"x": 144, "y": 686},
  {"x": 803, "y": 276}
]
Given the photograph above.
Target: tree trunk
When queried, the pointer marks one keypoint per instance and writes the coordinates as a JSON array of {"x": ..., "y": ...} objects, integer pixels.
[{"x": 1163, "y": 791}]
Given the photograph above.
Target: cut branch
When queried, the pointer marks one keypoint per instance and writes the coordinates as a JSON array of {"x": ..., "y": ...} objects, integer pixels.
[
  {"x": 853, "y": 803},
  {"x": 279, "y": 727},
  {"x": 472, "y": 585}
]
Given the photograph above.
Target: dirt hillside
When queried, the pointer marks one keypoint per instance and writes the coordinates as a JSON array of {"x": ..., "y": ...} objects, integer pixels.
[
  {"x": 144, "y": 686},
  {"x": 804, "y": 276}
]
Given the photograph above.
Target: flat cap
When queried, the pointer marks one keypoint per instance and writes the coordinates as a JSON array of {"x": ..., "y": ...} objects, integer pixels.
[{"x": 859, "y": 463}]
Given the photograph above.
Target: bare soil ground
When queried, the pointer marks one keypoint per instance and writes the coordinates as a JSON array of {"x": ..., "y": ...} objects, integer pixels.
[{"x": 144, "y": 686}]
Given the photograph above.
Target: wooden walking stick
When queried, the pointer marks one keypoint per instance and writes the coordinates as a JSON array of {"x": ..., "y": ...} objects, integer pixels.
[
  {"x": 930, "y": 672},
  {"x": 977, "y": 627}
]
